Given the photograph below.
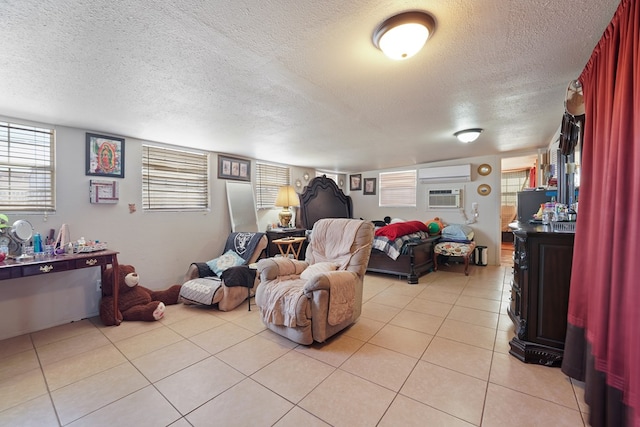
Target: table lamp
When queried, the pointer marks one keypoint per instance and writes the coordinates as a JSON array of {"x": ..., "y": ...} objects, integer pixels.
[{"x": 286, "y": 197}]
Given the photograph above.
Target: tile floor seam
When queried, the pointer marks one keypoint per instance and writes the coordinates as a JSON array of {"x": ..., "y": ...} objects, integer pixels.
[
  {"x": 488, "y": 382},
  {"x": 184, "y": 416},
  {"x": 287, "y": 399},
  {"x": 439, "y": 410},
  {"x": 535, "y": 396},
  {"x": 486, "y": 390},
  {"x": 373, "y": 382}
]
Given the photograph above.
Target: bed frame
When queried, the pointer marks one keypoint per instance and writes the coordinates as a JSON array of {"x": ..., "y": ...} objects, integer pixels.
[
  {"x": 323, "y": 199},
  {"x": 417, "y": 261}
]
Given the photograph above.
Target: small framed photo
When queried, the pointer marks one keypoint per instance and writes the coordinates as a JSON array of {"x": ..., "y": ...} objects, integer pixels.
[
  {"x": 355, "y": 182},
  {"x": 104, "y": 156},
  {"x": 234, "y": 168},
  {"x": 369, "y": 187}
]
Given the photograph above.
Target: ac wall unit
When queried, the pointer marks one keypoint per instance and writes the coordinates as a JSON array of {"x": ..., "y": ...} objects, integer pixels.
[
  {"x": 444, "y": 199},
  {"x": 457, "y": 173}
]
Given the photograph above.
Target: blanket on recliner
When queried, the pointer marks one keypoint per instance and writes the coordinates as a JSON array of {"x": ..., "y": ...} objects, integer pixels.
[{"x": 243, "y": 243}]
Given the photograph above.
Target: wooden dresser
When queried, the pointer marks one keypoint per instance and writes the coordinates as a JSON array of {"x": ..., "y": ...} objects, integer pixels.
[{"x": 540, "y": 293}]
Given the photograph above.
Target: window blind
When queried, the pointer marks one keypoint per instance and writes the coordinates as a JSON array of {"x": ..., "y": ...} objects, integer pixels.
[
  {"x": 174, "y": 180},
  {"x": 332, "y": 176},
  {"x": 27, "y": 168},
  {"x": 269, "y": 178},
  {"x": 512, "y": 182},
  {"x": 398, "y": 188}
]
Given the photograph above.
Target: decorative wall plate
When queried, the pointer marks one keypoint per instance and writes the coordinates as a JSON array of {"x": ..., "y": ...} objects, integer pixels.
[
  {"x": 484, "y": 170},
  {"x": 484, "y": 189}
]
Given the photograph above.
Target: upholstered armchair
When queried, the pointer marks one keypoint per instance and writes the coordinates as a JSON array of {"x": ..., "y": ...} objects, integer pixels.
[{"x": 320, "y": 296}]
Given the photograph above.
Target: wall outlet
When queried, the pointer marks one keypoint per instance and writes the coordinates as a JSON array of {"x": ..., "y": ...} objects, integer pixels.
[{"x": 98, "y": 285}]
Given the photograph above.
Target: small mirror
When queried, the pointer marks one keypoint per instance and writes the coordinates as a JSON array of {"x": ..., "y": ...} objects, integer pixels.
[
  {"x": 242, "y": 206},
  {"x": 484, "y": 189},
  {"x": 484, "y": 169}
]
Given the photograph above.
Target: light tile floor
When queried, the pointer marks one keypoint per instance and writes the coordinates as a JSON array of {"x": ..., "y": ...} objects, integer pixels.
[{"x": 431, "y": 354}]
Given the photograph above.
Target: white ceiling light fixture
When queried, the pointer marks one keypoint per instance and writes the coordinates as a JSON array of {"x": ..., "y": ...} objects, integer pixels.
[
  {"x": 403, "y": 35},
  {"x": 468, "y": 135}
]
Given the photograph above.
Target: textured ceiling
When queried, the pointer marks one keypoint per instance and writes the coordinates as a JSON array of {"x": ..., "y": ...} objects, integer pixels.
[{"x": 298, "y": 82}]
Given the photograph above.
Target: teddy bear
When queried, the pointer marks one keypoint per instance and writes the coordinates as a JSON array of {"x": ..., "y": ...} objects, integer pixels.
[{"x": 135, "y": 302}]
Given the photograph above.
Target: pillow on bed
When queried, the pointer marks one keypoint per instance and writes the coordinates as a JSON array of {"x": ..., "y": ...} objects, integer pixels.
[
  {"x": 319, "y": 267},
  {"x": 228, "y": 259},
  {"x": 458, "y": 232},
  {"x": 395, "y": 230}
]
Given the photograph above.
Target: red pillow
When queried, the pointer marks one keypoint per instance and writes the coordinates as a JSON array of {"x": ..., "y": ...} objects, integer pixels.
[{"x": 393, "y": 231}]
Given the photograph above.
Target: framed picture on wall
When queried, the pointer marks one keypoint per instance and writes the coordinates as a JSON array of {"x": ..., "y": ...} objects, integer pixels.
[
  {"x": 234, "y": 168},
  {"x": 369, "y": 186},
  {"x": 104, "y": 156},
  {"x": 355, "y": 182}
]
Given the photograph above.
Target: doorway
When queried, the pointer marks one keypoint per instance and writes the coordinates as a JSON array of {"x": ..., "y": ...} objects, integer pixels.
[{"x": 515, "y": 176}]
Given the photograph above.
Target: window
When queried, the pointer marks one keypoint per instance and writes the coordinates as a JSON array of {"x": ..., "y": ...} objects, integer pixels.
[
  {"x": 27, "y": 171},
  {"x": 269, "y": 178},
  {"x": 512, "y": 182},
  {"x": 332, "y": 176},
  {"x": 174, "y": 180},
  {"x": 398, "y": 188}
]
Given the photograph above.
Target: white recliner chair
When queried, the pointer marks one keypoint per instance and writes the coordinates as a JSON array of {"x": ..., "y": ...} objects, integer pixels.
[{"x": 320, "y": 296}]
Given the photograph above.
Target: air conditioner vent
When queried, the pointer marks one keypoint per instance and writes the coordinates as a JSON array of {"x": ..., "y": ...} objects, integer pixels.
[
  {"x": 457, "y": 173},
  {"x": 444, "y": 199}
]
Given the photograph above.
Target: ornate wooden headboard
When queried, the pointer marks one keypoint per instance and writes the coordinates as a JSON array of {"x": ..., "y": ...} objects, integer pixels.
[{"x": 322, "y": 199}]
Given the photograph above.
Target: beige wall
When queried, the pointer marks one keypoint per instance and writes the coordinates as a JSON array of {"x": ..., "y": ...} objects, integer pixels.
[
  {"x": 488, "y": 223},
  {"x": 162, "y": 245}
]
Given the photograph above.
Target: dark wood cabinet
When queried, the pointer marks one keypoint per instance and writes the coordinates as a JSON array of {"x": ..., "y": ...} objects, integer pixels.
[
  {"x": 540, "y": 293},
  {"x": 272, "y": 248}
]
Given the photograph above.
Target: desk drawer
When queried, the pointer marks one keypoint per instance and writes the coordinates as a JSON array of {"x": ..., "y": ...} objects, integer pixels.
[
  {"x": 44, "y": 268},
  {"x": 7, "y": 273},
  {"x": 93, "y": 261}
]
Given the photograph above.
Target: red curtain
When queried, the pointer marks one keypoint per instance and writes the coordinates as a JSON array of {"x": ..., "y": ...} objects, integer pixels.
[{"x": 603, "y": 336}]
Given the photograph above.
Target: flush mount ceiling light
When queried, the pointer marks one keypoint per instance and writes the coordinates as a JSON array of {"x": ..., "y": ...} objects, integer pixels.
[
  {"x": 468, "y": 135},
  {"x": 403, "y": 35}
]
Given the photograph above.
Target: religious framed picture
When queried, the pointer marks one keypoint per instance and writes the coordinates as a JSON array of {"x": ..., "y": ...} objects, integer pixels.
[
  {"x": 234, "y": 168},
  {"x": 104, "y": 156},
  {"x": 355, "y": 182},
  {"x": 369, "y": 187}
]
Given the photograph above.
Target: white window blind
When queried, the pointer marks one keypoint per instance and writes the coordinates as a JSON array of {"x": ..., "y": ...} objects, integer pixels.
[
  {"x": 27, "y": 168},
  {"x": 269, "y": 178},
  {"x": 332, "y": 176},
  {"x": 398, "y": 188},
  {"x": 174, "y": 180},
  {"x": 512, "y": 182}
]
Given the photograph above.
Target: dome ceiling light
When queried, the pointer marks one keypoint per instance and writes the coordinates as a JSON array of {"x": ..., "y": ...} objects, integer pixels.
[
  {"x": 468, "y": 135},
  {"x": 403, "y": 35}
]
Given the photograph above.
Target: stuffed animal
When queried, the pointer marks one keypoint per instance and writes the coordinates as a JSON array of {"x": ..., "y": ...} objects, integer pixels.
[
  {"x": 434, "y": 226},
  {"x": 135, "y": 302}
]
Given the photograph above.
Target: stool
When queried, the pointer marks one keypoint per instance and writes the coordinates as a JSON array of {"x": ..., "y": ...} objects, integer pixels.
[{"x": 464, "y": 250}]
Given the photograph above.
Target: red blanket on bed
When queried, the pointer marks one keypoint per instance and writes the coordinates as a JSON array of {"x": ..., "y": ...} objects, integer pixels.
[{"x": 393, "y": 231}]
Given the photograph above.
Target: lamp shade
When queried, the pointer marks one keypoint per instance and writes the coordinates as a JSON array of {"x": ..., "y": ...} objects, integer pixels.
[
  {"x": 287, "y": 196},
  {"x": 468, "y": 135},
  {"x": 403, "y": 35}
]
